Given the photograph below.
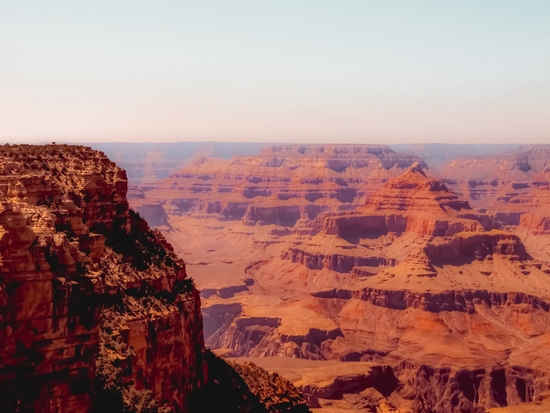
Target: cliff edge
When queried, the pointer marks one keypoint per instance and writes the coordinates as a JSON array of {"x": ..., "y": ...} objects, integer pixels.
[{"x": 96, "y": 310}]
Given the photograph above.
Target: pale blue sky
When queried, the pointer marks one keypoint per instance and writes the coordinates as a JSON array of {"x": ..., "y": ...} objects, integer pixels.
[{"x": 306, "y": 71}]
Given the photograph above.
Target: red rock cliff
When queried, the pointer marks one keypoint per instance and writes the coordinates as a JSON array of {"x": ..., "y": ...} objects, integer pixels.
[{"x": 96, "y": 310}]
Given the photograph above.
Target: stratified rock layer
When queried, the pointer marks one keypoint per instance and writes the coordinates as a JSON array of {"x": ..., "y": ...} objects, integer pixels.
[{"x": 281, "y": 185}]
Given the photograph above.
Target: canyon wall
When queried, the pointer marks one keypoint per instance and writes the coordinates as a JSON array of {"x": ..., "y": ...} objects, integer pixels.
[{"x": 96, "y": 310}]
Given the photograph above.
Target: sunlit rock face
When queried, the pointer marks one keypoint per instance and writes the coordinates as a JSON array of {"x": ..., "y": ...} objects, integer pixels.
[{"x": 96, "y": 310}]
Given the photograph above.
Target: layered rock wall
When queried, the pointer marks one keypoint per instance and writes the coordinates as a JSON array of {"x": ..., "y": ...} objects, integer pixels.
[
  {"x": 462, "y": 301},
  {"x": 96, "y": 310},
  {"x": 334, "y": 262},
  {"x": 445, "y": 389},
  {"x": 470, "y": 245}
]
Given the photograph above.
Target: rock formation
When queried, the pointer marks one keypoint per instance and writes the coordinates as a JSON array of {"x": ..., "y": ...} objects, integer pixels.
[
  {"x": 540, "y": 405},
  {"x": 245, "y": 388},
  {"x": 359, "y": 386},
  {"x": 511, "y": 188},
  {"x": 96, "y": 307},
  {"x": 482, "y": 179}
]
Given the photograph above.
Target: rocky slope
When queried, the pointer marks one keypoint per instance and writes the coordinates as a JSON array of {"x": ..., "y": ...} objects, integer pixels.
[{"x": 245, "y": 388}]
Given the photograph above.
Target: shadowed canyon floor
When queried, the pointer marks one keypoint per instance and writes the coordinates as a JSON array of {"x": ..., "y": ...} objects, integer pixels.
[{"x": 368, "y": 279}]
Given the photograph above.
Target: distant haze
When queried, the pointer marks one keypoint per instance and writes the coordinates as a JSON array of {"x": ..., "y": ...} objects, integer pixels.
[{"x": 354, "y": 71}]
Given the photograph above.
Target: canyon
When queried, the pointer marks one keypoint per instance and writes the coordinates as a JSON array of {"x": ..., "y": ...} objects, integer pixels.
[
  {"x": 323, "y": 278},
  {"x": 397, "y": 285}
]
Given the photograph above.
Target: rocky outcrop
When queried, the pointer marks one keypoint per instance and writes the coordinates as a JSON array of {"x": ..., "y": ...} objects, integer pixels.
[
  {"x": 468, "y": 390},
  {"x": 334, "y": 262},
  {"x": 467, "y": 246},
  {"x": 219, "y": 316},
  {"x": 413, "y": 201},
  {"x": 96, "y": 309},
  {"x": 261, "y": 337},
  {"x": 416, "y": 189}
]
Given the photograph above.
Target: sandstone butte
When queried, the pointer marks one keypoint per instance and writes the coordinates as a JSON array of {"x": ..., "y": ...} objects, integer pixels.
[
  {"x": 404, "y": 289},
  {"x": 96, "y": 310}
]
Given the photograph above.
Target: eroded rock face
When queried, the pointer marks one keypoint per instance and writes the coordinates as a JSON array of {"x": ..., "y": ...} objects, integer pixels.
[
  {"x": 96, "y": 309},
  {"x": 413, "y": 202},
  {"x": 416, "y": 190},
  {"x": 470, "y": 390},
  {"x": 281, "y": 185},
  {"x": 530, "y": 202}
]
